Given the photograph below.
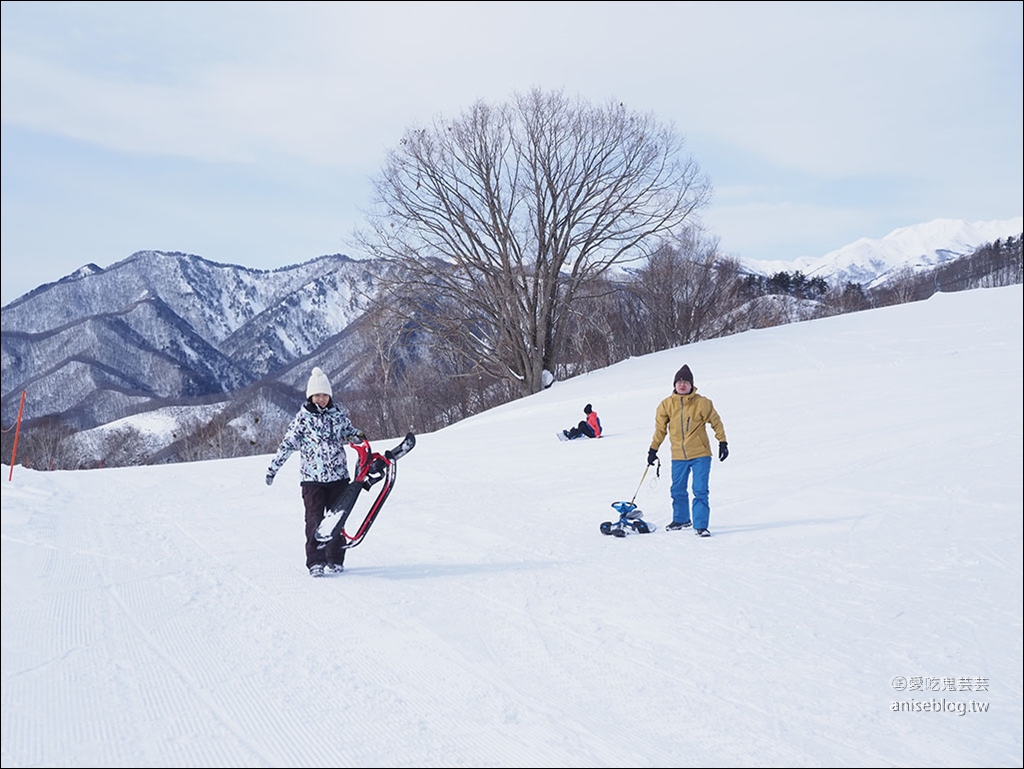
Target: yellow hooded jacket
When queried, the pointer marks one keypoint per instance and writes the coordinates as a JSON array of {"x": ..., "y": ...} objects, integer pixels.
[{"x": 684, "y": 418}]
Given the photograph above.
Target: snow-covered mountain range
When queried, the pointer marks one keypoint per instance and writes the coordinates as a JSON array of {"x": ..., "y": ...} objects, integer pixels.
[
  {"x": 163, "y": 330},
  {"x": 873, "y": 261},
  {"x": 159, "y": 328}
]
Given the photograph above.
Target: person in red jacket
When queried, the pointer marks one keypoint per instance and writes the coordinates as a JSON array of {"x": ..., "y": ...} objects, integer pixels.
[{"x": 588, "y": 428}]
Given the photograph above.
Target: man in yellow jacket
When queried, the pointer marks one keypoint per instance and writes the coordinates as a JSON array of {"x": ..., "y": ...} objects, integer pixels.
[{"x": 684, "y": 416}]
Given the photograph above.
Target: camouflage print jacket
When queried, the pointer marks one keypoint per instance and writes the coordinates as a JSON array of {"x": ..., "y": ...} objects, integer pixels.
[{"x": 320, "y": 437}]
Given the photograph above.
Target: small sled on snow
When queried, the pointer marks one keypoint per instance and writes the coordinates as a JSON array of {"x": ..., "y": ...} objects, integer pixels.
[
  {"x": 631, "y": 521},
  {"x": 372, "y": 468},
  {"x": 631, "y": 518}
]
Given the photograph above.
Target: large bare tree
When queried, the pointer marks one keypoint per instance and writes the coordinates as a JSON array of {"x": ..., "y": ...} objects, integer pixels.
[{"x": 498, "y": 220}]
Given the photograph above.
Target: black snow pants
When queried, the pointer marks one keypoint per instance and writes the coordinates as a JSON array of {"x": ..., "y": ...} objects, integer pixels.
[{"x": 318, "y": 499}]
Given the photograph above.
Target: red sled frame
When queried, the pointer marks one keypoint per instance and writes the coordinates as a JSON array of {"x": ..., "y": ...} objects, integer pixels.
[{"x": 372, "y": 469}]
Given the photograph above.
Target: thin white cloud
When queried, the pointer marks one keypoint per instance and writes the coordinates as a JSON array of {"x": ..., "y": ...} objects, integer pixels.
[{"x": 875, "y": 115}]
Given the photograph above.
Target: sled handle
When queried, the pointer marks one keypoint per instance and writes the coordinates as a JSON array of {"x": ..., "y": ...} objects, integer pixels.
[{"x": 640, "y": 484}]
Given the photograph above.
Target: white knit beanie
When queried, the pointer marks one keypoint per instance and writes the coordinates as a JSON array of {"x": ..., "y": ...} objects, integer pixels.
[{"x": 318, "y": 383}]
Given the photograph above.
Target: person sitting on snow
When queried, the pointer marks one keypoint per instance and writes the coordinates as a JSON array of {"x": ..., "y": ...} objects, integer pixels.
[{"x": 588, "y": 428}]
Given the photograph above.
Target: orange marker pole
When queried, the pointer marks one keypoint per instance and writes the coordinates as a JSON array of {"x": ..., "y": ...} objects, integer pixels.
[{"x": 17, "y": 432}]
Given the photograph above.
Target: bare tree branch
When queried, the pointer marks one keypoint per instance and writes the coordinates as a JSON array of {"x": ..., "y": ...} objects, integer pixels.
[{"x": 498, "y": 221}]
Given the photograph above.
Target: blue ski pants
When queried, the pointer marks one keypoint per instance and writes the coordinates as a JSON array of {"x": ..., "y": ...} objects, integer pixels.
[{"x": 681, "y": 469}]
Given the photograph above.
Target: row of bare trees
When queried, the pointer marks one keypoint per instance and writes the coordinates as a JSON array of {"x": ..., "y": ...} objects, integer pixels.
[
  {"x": 50, "y": 444},
  {"x": 410, "y": 379},
  {"x": 417, "y": 378},
  {"x": 684, "y": 293}
]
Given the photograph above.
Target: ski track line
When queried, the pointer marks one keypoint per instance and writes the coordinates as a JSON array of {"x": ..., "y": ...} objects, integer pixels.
[
  {"x": 490, "y": 648},
  {"x": 651, "y": 677},
  {"x": 685, "y": 648},
  {"x": 445, "y": 644},
  {"x": 359, "y": 708},
  {"x": 489, "y": 627},
  {"x": 862, "y": 612},
  {"x": 170, "y": 696},
  {"x": 387, "y": 717},
  {"x": 483, "y": 713}
]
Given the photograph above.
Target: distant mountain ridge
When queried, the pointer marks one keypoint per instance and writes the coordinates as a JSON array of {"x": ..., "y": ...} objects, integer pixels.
[
  {"x": 167, "y": 330},
  {"x": 161, "y": 327},
  {"x": 872, "y": 262}
]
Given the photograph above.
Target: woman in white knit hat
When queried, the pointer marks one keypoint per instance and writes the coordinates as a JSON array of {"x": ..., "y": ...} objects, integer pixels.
[{"x": 319, "y": 433}]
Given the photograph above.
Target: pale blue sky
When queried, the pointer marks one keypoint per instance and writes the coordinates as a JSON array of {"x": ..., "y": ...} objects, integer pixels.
[{"x": 247, "y": 132}]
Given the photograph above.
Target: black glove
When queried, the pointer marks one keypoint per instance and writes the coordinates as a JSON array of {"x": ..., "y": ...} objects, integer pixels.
[
  {"x": 270, "y": 477},
  {"x": 723, "y": 451},
  {"x": 652, "y": 456}
]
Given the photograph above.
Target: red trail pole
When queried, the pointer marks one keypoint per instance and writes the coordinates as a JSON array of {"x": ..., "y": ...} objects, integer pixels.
[{"x": 17, "y": 432}]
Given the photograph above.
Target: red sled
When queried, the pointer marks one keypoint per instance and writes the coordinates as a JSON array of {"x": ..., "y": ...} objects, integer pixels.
[{"x": 372, "y": 469}]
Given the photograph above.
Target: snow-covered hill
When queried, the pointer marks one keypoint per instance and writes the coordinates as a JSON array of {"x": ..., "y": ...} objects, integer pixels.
[{"x": 859, "y": 602}]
